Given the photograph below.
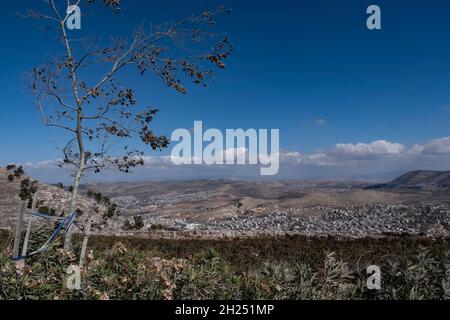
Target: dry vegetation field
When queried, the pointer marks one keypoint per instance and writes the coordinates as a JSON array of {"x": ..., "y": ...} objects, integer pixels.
[{"x": 271, "y": 268}]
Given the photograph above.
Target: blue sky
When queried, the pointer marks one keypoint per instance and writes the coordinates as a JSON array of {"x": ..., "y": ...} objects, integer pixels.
[{"x": 310, "y": 68}]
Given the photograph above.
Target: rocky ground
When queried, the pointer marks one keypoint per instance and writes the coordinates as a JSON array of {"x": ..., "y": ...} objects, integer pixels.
[
  {"x": 424, "y": 220},
  {"x": 352, "y": 221},
  {"x": 229, "y": 208},
  {"x": 51, "y": 197}
]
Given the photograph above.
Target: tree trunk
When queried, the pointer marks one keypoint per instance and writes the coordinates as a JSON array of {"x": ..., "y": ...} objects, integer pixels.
[{"x": 73, "y": 203}]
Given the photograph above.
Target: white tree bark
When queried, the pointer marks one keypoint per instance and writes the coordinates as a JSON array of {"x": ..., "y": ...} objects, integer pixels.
[{"x": 73, "y": 203}]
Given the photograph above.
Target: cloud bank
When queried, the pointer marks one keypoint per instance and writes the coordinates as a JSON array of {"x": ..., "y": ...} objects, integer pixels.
[{"x": 376, "y": 161}]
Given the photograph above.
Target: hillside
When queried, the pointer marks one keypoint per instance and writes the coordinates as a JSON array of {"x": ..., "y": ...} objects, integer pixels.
[
  {"x": 424, "y": 179},
  {"x": 49, "y": 196},
  {"x": 204, "y": 199},
  {"x": 217, "y": 208},
  {"x": 420, "y": 180}
]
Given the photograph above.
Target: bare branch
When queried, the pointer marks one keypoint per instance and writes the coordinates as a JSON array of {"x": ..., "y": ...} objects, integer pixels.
[{"x": 33, "y": 14}]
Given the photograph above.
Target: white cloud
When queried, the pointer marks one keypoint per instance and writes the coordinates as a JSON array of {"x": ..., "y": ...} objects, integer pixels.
[
  {"x": 350, "y": 159},
  {"x": 321, "y": 122},
  {"x": 315, "y": 159},
  {"x": 44, "y": 164},
  {"x": 373, "y": 149},
  {"x": 437, "y": 147},
  {"x": 416, "y": 149}
]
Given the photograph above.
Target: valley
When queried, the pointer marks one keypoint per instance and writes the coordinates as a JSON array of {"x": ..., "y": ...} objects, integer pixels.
[{"x": 231, "y": 208}]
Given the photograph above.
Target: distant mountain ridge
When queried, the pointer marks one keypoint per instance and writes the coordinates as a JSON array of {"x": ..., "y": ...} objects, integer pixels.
[{"x": 419, "y": 180}]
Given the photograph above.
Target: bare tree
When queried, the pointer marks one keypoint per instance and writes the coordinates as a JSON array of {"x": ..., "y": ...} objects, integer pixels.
[{"x": 101, "y": 116}]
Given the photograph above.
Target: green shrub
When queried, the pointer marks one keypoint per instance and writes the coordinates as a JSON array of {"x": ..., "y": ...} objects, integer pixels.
[
  {"x": 44, "y": 209},
  {"x": 123, "y": 273},
  {"x": 208, "y": 277},
  {"x": 138, "y": 222},
  {"x": 111, "y": 211},
  {"x": 10, "y": 167},
  {"x": 137, "y": 225},
  {"x": 18, "y": 172},
  {"x": 27, "y": 189},
  {"x": 157, "y": 226}
]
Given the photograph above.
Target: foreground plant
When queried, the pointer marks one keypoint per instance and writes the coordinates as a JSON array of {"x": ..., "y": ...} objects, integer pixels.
[{"x": 123, "y": 273}]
